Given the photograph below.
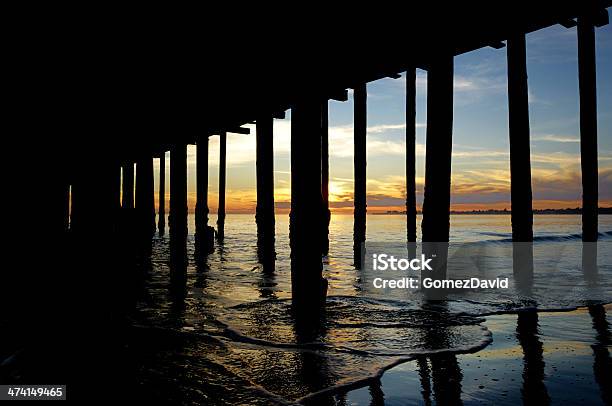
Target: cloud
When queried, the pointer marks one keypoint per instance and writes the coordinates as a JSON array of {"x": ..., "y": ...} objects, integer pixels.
[
  {"x": 533, "y": 99},
  {"x": 555, "y": 138}
]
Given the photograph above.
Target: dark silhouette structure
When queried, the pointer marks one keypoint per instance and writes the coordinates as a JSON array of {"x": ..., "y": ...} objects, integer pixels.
[
  {"x": 520, "y": 160},
  {"x": 222, "y": 177},
  {"x": 325, "y": 175},
  {"x": 276, "y": 90},
  {"x": 360, "y": 129},
  {"x": 161, "y": 209},
  {"x": 178, "y": 201},
  {"x": 411, "y": 209},
  {"x": 145, "y": 196},
  {"x": 306, "y": 202},
  {"x": 275, "y": 87},
  {"x": 588, "y": 121},
  {"x": 264, "y": 215}
]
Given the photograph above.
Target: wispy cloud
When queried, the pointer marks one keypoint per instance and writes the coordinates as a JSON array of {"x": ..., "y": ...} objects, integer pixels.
[{"x": 556, "y": 138}]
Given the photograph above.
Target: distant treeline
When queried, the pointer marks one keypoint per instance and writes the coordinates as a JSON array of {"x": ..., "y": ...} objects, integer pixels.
[{"x": 576, "y": 210}]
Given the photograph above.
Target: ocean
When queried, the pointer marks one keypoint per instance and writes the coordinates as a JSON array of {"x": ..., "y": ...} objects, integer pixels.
[{"x": 229, "y": 336}]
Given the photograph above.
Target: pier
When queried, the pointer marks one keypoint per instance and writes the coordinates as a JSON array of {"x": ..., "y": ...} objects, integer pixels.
[{"x": 278, "y": 85}]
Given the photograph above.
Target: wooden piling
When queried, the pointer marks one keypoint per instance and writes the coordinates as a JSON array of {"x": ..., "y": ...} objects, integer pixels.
[
  {"x": 178, "y": 200},
  {"x": 325, "y": 175},
  {"x": 161, "y": 221},
  {"x": 360, "y": 129},
  {"x": 520, "y": 158},
  {"x": 436, "y": 204},
  {"x": 264, "y": 216},
  {"x": 308, "y": 287},
  {"x": 222, "y": 178},
  {"x": 204, "y": 239},
  {"x": 588, "y": 127},
  {"x": 411, "y": 211},
  {"x": 145, "y": 195}
]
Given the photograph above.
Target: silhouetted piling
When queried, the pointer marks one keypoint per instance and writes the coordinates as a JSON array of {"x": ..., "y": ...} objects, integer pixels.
[
  {"x": 145, "y": 195},
  {"x": 411, "y": 211},
  {"x": 435, "y": 224},
  {"x": 161, "y": 221},
  {"x": 307, "y": 285},
  {"x": 436, "y": 204},
  {"x": 127, "y": 199},
  {"x": 325, "y": 175},
  {"x": 178, "y": 201},
  {"x": 360, "y": 129},
  {"x": 520, "y": 159},
  {"x": 222, "y": 177},
  {"x": 264, "y": 215},
  {"x": 588, "y": 126},
  {"x": 204, "y": 236}
]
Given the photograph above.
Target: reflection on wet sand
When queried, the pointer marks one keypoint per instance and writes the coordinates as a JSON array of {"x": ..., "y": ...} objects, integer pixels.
[
  {"x": 522, "y": 267},
  {"x": 533, "y": 391},
  {"x": 261, "y": 349},
  {"x": 445, "y": 371},
  {"x": 589, "y": 262},
  {"x": 602, "y": 364},
  {"x": 424, "y": 374},
  {"x": 378, "y": 397}
]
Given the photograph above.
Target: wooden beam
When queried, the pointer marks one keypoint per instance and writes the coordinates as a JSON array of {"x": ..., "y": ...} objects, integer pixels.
[
  {"x": 236, "y": 130},
  {"x": 340, "y": 95},
  {"x": 568, "y": 23}
]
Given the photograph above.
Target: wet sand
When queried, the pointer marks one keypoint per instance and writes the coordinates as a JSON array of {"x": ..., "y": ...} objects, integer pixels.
[{"x": 554, "y": 358}]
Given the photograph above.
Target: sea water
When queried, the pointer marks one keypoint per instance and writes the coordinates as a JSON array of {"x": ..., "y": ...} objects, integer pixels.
[{"x": 231, "y": 330}]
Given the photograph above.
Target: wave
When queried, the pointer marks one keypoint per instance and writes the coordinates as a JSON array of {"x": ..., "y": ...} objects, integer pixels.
[{"x": 507, "y": 237}]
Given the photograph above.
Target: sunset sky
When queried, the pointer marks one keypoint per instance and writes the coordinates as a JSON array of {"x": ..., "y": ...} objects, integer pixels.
[{"x": 480, "y": 177}]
